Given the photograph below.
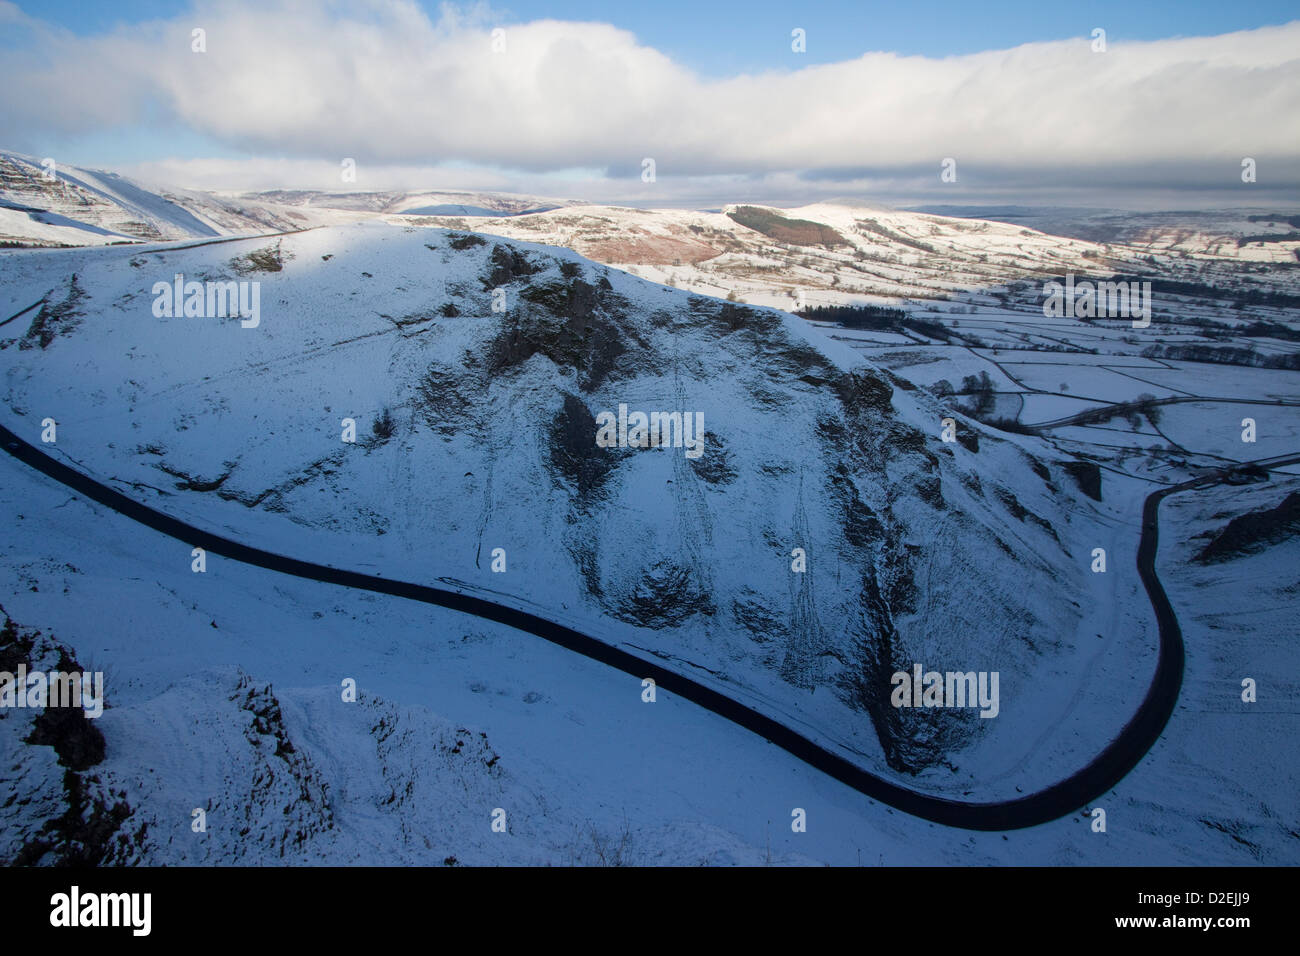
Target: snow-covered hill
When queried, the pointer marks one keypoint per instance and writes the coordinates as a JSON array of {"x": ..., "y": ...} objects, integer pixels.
[
  {"x": 823, "y": 254},
  {"x": 59, "y": 205},
  {"x": 49, "y": 205},
  {"x": 840, "y": 253},
  {"x": 970, "y": 555},
  {"x": 1254, "y": 235}
]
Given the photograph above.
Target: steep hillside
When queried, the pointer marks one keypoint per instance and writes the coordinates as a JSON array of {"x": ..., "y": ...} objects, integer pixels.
[
  {"x": 965, "y": 555},
  {"x": 70, "y": 206},
  {"x": 64, "y": 205}
]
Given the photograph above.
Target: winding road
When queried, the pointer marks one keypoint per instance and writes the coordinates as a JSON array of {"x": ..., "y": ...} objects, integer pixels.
[{"x": 1062, "y": 798}]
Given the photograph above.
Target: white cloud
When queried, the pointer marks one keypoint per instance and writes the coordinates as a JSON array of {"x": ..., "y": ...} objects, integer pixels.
[
  {"x": 241, "y": 175},
  {"x": 379, "y": 81}
]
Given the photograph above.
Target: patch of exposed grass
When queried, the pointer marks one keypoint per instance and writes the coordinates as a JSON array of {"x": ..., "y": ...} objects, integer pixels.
[{"x": 799, "y": 232}]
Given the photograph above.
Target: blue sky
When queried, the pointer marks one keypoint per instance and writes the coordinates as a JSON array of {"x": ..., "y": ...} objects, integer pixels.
[
  {"x": 719, "y": 38},
  {"x": 713, "y": 91}
]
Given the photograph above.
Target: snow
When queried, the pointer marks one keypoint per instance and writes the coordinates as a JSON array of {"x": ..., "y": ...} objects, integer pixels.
[
  {"x": 1215, "y": 428},
  {"x": 585, "y": 756},
  {"x": 351, "y": 325}
]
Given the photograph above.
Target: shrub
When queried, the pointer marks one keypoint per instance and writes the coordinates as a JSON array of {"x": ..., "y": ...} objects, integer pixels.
[
  {"x": 461, "y": 241},
  {"x": 384, "y": 425}
]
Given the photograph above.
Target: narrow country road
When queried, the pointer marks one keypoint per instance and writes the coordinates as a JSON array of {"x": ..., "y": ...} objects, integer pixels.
[{"x": 1063, "y": 798}]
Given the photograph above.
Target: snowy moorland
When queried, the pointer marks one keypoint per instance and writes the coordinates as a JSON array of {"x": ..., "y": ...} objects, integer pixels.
[{"x": 473, "y": 372}]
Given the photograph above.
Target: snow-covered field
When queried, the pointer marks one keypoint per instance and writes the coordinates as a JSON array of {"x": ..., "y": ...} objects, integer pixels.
[{"x": 966, "y": 555}]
